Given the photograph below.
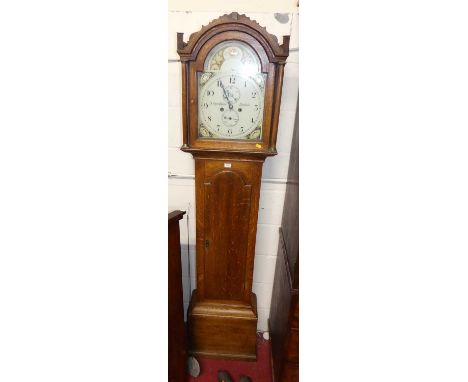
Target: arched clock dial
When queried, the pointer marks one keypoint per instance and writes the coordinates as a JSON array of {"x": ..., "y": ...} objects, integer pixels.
[{"x": 231, "y": 94}]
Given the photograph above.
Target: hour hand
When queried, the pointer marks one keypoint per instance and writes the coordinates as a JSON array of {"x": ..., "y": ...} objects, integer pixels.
[{"x": 226, "y": 95}]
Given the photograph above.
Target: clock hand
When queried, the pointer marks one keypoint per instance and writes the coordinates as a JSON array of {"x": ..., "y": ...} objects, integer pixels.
[{"x": 225, "y": 95}]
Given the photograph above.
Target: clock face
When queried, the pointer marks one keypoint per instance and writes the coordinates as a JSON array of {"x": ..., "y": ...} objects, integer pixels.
[{"x": 231, "y": 92}]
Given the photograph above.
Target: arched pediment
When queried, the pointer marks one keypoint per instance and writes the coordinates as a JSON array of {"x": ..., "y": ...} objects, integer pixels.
[{"x": 188, "y": 51}]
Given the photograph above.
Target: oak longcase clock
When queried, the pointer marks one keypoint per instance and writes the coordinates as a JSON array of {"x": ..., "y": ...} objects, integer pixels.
[{"x": 232, "y": 75}]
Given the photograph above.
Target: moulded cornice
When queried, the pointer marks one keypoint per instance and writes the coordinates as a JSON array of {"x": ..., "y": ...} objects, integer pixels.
[{"x": 228, "y": 22}]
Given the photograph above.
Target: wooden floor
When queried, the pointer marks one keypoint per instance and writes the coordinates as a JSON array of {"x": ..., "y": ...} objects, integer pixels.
[{"x": 259, "y": 371}]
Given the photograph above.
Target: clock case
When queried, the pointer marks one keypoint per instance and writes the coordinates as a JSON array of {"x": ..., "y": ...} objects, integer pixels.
[{"x": 222, "y": 315}]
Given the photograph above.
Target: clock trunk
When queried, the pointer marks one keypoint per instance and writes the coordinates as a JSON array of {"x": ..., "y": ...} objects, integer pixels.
[{"x": 223, "y": 313}]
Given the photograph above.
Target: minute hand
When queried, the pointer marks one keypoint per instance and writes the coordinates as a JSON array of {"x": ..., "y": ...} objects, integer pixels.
[{"x": 225, "y": 95}]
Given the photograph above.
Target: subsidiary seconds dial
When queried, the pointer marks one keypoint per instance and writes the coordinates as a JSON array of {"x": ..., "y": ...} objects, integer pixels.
[{"x": 231, "y": 105}]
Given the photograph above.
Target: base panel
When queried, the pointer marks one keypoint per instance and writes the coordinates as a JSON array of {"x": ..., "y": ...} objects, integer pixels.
[{"x": 223, "y": 329}]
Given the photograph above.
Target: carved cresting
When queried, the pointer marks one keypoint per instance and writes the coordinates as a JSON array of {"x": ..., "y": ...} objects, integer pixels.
[{"x": 239, "y": 22}]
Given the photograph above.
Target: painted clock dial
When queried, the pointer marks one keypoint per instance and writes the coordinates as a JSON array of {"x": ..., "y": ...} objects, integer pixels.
[{"x": 231, "y": 92}]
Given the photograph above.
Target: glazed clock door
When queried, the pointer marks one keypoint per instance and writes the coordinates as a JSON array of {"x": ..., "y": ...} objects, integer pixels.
[{"x": 230, "y": 199}]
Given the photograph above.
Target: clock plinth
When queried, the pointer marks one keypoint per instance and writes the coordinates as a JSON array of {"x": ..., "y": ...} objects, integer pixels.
[
  {"x": 223, "y": 330},
  {"x": 232, "y": 75}
]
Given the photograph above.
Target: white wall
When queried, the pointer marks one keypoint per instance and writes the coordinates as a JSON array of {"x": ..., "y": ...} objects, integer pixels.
[
  {"x": 237, "y": 5},
  {"x": 275, "y": 169}
]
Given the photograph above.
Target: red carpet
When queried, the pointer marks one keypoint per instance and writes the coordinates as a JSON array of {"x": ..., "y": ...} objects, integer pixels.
[{"x": 259, "y": 371}]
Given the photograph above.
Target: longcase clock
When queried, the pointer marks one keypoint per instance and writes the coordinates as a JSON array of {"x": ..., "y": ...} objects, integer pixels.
[{"x": 232, "y": 75}]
